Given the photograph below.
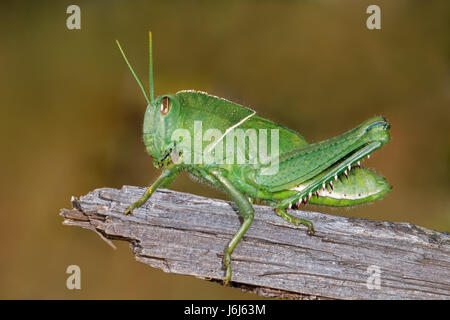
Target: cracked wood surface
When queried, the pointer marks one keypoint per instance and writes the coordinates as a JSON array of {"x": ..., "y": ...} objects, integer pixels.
[{"x": 187, "y": 234}]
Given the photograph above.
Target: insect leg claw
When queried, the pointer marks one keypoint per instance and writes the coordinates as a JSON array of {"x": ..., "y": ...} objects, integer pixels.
[
  {"x": 227, "y": 267},
  {"x": 129, "y": 210}
]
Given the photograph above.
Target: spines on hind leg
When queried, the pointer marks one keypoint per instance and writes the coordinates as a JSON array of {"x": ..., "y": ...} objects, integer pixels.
[
  {"x": 357, "y": 186},
  {"x": 361, "y": 185}
]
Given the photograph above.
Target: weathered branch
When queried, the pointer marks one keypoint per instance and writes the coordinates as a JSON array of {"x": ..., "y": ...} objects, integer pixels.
[{"x": 187, "y": 234}]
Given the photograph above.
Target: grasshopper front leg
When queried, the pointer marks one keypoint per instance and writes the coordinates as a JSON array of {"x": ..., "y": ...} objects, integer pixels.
[
  {"x": 245, "y": 209},
  {"x": 164, "y": 180}
]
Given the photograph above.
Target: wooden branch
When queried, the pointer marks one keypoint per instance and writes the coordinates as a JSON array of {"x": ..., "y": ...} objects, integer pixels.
[{"x": 187, "y": 234}]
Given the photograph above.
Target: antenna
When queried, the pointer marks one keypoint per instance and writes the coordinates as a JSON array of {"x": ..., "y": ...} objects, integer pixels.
[
  {"x": 134, "y": 73},
  {"x": 150, "y": 71}
]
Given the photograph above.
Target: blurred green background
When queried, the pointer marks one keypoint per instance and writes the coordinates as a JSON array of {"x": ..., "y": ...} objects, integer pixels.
[{"x": 71, "y": 115}]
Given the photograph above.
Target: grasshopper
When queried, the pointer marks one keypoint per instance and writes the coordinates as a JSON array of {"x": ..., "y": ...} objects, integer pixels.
[{"x": 324, "y": 173}]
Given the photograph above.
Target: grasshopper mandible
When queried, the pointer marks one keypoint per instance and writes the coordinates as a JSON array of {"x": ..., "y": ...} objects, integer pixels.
[{"x": 323, "y": 173}]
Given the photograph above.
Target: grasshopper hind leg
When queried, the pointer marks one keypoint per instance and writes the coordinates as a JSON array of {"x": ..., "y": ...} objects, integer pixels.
[{"x": 297, "y": 221}]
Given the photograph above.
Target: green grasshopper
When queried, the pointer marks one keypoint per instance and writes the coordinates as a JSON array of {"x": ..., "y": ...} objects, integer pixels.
[{"x": 323, "y": 173}]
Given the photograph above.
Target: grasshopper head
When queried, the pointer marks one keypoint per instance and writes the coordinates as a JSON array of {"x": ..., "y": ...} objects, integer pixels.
[
  {"x": 160, "y": 120},
  {"x": 161, "y": 116}
]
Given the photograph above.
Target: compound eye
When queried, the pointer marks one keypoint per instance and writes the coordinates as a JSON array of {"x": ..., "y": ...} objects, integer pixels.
[{"x": 165, "y": 106}]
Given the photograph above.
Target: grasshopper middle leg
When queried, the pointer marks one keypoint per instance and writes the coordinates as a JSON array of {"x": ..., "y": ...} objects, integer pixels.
[{"x": 247, "y": 212}]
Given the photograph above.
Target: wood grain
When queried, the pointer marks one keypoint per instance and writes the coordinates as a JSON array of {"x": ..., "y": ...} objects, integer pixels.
[{"x": 186, "y": 234}]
